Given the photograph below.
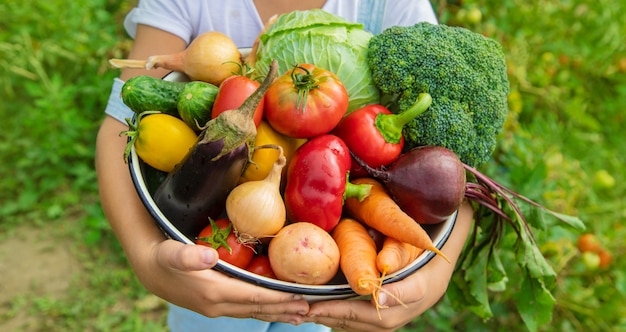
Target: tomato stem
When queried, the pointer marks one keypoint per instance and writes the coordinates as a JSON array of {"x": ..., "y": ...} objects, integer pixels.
[
  {"x": 218, "y": 237},
  {"x": 133, "y": 131},
  {"x": 390, "y": 125},
  {"x": 303, "y": 84}
]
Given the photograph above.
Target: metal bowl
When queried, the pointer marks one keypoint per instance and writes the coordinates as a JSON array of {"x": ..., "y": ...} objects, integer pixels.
[{"x": 146, "y": 180}]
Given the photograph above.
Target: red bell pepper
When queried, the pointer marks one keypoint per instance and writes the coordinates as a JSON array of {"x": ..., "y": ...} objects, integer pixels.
[
  {"x": 374, "y": 134},
  {"x": 317, "y": 182}
]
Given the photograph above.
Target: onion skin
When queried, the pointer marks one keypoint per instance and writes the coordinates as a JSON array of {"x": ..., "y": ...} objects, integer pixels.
[
  {"x": 256, "y": 208},
  {"x": 211, "y": 57}
]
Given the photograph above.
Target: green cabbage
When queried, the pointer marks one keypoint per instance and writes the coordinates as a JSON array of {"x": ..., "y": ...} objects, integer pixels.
[{"x": 325, "y": 40}]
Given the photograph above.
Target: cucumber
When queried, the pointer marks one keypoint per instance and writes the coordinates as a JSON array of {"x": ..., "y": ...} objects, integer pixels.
[
  {"x": 195, "y": 103},
  {"x": 146, "y": 93}
]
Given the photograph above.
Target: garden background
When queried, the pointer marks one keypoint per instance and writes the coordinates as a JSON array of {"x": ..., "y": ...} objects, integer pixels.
[{"x": 61, "y": 268}]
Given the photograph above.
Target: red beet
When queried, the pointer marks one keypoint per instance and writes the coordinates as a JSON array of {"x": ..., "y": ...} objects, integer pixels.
[{"x": 427, "y": 182}]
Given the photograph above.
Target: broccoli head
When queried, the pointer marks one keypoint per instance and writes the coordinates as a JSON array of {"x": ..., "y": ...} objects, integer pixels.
[{"x": 463, "y": 71}]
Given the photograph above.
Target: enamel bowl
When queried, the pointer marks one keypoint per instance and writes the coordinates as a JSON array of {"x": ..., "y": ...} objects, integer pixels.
[{"x": 146, "y": 180}]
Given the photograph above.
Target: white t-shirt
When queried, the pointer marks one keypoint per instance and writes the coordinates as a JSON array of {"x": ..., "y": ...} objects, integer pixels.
[{"x": 240, "y": 20}]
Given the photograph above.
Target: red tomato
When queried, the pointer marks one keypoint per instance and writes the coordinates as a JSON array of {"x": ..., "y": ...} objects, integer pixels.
[
  {"x": 305, "y": 101},
  {"x": 261, "y": 265},
  {"x": 219, "y": 235},
  {"x": 588, "y": 242},
  {"x": 233, "y": 92}
]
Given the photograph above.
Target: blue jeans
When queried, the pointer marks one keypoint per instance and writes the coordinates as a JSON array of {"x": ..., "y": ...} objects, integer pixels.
[{"x": 183, "y": 320}]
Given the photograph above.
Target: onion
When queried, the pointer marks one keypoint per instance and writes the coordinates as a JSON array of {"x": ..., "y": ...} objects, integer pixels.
[
  {"x": 256, "y": 208},
  {"x": 211, "y": 57}
]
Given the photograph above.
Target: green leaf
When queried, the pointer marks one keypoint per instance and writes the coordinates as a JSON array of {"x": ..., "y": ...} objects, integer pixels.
[
  {"x": 573, "y": 221},
  {"x": 534, "y": 302},
  {"x": 497, "y": 278},
  {"x": 531, "y": 258},
  {"x": 476, "y": 279}
]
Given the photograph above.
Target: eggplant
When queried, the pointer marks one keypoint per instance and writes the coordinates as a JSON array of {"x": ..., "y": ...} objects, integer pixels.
[{"x": 197, "y": 188}]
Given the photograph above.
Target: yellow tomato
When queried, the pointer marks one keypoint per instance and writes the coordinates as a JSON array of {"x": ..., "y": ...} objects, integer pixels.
[
  {"x": 163, "y": 140},
  {"x": 264, "y": 158}
]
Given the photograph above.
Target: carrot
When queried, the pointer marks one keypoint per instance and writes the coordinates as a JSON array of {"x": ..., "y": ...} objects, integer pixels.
[
  {"x": 379, "y": 211},
  {"x": 357, "y": 260},
  {"x": 395, "y": 255},
  {"x": 357, "y": 256}
]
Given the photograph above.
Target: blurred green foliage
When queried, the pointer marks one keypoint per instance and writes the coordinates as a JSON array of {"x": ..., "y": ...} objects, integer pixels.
[{"x": 563, "y": 146}]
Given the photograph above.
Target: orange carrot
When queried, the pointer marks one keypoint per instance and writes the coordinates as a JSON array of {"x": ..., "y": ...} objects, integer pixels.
[
  {"x": 357, "y": 252},
  {"x": 379, "y": 211},
  {"x": 395, "y": 255}
]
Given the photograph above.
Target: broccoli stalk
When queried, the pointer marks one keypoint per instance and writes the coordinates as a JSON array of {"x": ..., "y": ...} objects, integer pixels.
[
  {"x": 463, "y": 71},
  {"x": 391, "y": 125}
]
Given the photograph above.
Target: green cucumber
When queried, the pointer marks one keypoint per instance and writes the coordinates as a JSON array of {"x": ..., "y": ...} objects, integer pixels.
[
  {"x": 146, "y": 93},
  {"x": 195, "y": 103}
]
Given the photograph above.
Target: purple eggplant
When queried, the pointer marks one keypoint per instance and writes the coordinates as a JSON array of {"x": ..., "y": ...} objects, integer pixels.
[{"x": 197, "y": 188}]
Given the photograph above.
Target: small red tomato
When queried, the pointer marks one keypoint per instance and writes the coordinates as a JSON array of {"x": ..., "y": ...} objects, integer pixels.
[
  {"x": 233, "y": 92},
  {"x": 220, "y": 236},
  {"x": 305, "y": 101},
  {"x": 261, "y": 265},
  {"x": 605, "y": 258},
  {"x": 588, "y": 242}
]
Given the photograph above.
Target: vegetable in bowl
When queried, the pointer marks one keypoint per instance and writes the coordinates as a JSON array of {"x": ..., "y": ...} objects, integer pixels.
[
  {"x": 323, "y": 39},
  {"x": 147, "y": 180},
  {"x": 464, "y": 72}
]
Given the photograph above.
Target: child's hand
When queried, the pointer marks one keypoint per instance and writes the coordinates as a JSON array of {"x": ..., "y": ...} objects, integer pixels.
[
  {"x": 418, "y": 293},
  {"x": 182, "y": 275}
]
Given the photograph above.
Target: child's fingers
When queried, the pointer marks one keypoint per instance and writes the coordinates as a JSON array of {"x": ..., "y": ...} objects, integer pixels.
[{"x": 186, "y": 257}]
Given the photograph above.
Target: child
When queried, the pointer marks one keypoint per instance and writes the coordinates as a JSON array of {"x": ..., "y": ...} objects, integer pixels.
[{"x": 182, "y": 274}]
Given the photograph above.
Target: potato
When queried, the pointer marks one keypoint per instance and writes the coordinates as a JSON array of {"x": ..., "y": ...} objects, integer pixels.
[{"x": 304, "y": 253}]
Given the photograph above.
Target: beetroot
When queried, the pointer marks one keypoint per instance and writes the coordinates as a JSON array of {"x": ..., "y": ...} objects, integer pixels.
[{"x": 427, "y": 182}]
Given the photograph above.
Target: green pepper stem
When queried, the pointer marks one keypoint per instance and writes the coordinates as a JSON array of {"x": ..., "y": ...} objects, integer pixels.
[
  {"x": 358, "y": 191},
  {"x": 390, "y": 125}
]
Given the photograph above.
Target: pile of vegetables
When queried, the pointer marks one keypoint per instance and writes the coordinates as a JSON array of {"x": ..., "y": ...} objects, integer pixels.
[{"x": 288, "y": 176}]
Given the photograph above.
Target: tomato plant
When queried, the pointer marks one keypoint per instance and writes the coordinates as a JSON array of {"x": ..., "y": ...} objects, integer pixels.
[
  {"x": 306, "y": 101},
  {"x": 160, "y": 140},
  {"x": 220, "y": 236},
  {"x": 233, "y": 92}
]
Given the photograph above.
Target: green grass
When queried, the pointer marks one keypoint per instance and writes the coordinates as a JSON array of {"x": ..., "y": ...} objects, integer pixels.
[{"x": 563, "y": 146}]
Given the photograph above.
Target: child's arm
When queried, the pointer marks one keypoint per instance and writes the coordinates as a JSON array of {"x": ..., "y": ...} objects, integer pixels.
[{"x": 176, "y": 272}]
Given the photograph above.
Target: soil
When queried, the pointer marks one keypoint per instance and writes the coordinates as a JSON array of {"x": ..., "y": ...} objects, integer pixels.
[{"x": 32, "y": 261}]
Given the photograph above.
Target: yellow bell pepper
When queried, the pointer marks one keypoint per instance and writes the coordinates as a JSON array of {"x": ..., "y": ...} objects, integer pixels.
[{"x": 265, "y": 158}]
